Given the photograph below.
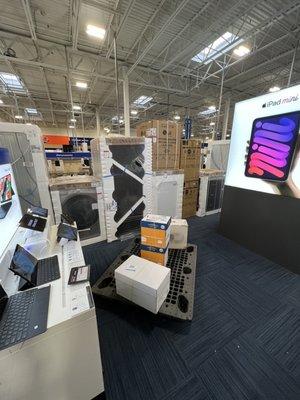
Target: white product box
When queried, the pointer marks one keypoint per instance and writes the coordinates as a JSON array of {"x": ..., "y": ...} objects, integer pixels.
[
  {"x": 143, "y": 282},
  {"x": 179, "y": 234}
]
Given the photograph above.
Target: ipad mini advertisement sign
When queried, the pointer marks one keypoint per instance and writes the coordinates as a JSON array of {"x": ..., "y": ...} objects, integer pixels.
[
  {"x": 10, "y": 210},
  {"x": 265, "y": 144}
]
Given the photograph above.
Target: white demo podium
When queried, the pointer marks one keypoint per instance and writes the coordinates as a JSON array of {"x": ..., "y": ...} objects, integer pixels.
[{"x": 64, "y": 363}]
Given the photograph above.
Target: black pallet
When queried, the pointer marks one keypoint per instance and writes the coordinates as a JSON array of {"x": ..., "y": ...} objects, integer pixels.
[{"x": 180, "y": 300}]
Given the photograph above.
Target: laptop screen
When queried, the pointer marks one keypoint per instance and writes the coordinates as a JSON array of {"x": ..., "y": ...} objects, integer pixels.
[
  {"x": 23, "y": 263},
  {"x": 40, "y": 211},
  {"x": 5, "y": 189}
]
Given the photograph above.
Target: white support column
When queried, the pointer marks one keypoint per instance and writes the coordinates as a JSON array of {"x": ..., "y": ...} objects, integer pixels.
[
  {"x": 226, "y": 118},
  {"x": 98, "y": 123},
  {"x": 126, "y": 101}
]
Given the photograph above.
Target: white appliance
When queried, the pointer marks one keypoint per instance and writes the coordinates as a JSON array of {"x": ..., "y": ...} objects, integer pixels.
[
  {"x": 81, "y": 197},
  {"x": 211, "y": 190},
  {"x": 29, "y": 164},
  {"x": 125, "y": 167},
  {"x": 217, "y": 154},
  {"x": 167, "y": 192}
]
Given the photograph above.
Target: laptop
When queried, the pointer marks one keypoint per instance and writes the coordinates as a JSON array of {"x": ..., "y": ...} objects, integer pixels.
[
  {"x": 65, "y": 231},
  {"x": 23, "y": 315},
  {"x": 38, "y": 211},
  {"x": 35, "y": 272},
  {"x": 6, "y": 194},
  {"x": 33, "y": 222}
]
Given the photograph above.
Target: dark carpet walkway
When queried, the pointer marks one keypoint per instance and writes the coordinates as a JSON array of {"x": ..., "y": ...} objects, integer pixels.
[{"x": 243, "y": 343}]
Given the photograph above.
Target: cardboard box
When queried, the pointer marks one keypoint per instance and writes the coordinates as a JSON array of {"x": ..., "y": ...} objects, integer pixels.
[
  {"x": 179, "y": 234},
  {"x": 170, "y": 161},
  {"x": 155, "y": 254},
  {"x": 143, "y": 282},
  {"x": 189, "y": 210},
  {"x": 190, "y": 155},
  {"x": 190, "y": 198},
  {"x": 155, "y": 230}
]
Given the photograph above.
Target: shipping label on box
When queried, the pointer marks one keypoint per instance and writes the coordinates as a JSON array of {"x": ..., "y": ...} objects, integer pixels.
[{"x": 156, "y": 221}]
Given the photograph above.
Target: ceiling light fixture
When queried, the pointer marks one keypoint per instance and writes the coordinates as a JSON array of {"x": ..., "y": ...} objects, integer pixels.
[
  {"x": 241, "y": 51},
  {"x": 81, "y": 85},
  {"x": 274, "y": 89},
  {"x": 71, "y": 126},
  {"x": 1, "y": 101},
  {"x": 72, "y": 120},
  {"x": 212, "y": 124},
  {"x": 95, "y": 31},
  {"x": 18, "y": 117},
  {"x": 76, "y": 108},
  {"x": 134, "y": 112},
  {"x": 177, "y": 117}
]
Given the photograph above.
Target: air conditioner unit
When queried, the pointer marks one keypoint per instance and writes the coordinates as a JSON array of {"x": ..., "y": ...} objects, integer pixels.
[
  {"x": 80, "y": 197},
  {"x": 29, "y": 164},
  {"x": 125, "y": 167},
  {"x": 210, "y": 192}
]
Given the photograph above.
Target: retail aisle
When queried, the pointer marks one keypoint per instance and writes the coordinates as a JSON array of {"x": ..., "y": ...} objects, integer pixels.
[{"x": 243, "y": 343}]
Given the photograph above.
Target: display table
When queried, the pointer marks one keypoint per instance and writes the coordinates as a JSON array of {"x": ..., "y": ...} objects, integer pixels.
[{"x": 64, "y": 363}]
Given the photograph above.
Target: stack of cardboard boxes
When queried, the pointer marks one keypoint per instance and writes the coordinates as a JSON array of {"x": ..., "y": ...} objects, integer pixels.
[
  {"x": 190, "y": 164},
  {"x": 166, "y": 137},
  {"x": 155, "y": 237}
]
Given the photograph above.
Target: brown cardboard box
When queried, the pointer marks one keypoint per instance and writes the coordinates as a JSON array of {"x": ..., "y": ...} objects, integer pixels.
[
  {"x": 190, "y": 158},
  {"x": 168, "y": 161},
  {"x": 166, "y": 142},
  {"x": 161, "y": 129},
  {"x": 163, "y": 146},
  {"x": 190, "y": 198}
]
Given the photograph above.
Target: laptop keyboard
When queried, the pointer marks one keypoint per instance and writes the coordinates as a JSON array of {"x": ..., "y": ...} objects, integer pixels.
[
  {"x": 14, "y": 324},
  {"x": 48, "y": 270}
]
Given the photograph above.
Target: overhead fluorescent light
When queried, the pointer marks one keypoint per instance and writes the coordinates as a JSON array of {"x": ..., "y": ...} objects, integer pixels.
[
  {"x": 1, "y": 101},
  {"x": 31, "y": 111},
  {"x": 72, "y": 120},
  {"x": 81, "y": 85},
  {"x": 76, "y": 108},
  {"x": 221, "y": 45},
  {"x": 142, "y": 101},
  {"x": 95, "y": 31},
  {"x": 12, "y": 82},
  {"x": 208, "y": 111},
  {"x": 134, "y": 112},
  {"x": 274, "y": 89},
  {"x": 241, "y": 51},
  {"x": 177, "y": 117},
  {"x": 18, "y": 117},
  {"x": 28, "y": 123},
  {"x": 212, "y": 124},
  {"x": 71, "y": 126}
]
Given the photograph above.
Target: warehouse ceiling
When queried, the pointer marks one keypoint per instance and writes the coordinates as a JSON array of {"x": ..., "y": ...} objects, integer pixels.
[{"x": 45, "y": 45}]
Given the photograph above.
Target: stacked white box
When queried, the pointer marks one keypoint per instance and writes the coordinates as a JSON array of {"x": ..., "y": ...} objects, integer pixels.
[
  {"x": 143, "y": 282},
  {"x": 167, "y": 188},
  {"x": 179, "y": 234},
  {"x": 102, "y": 168}
]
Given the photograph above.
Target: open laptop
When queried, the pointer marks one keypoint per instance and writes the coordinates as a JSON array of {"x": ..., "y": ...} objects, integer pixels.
[
  {"x": 23, "y": 315},
  {"x": 6, "y": 193},
  {"x": 39, "y": 211},
  {"x": 35, "y": 272}
]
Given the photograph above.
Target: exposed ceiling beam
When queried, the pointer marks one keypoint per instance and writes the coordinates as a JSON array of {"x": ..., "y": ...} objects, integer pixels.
[
  {"x": 100, "y": 6},
  {"x": 120, "y": 26},
  {"x": 178, "y": 9},
  {"x": 76, "y": 5},
  {"x": 140, "y": 37}
]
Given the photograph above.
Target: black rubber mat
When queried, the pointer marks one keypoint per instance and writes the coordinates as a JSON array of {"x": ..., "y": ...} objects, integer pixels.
[{"x": 180, "y": 300}]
